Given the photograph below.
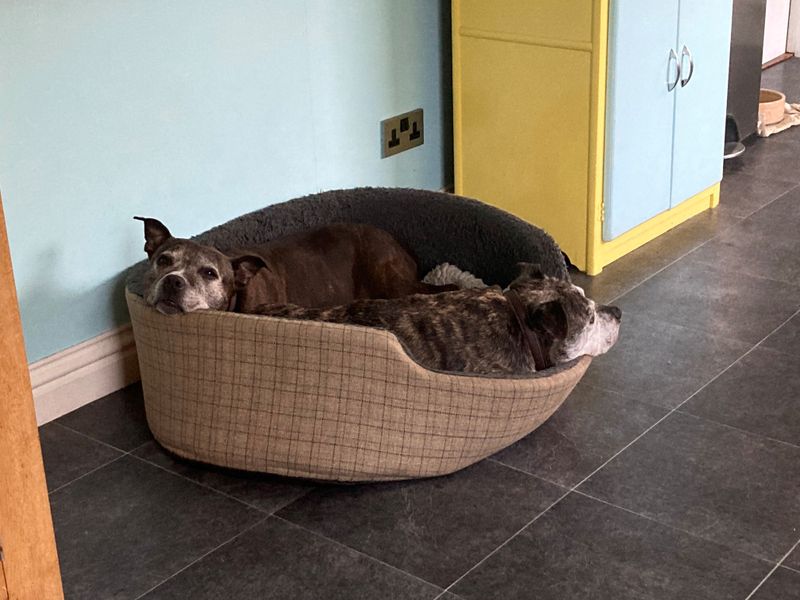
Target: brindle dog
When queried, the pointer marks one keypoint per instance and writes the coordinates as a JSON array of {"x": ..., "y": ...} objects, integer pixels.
[{"x": 536, "y": 323}]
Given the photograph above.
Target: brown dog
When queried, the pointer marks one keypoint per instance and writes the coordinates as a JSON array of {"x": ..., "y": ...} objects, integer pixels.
[
  {"x": 536, "y": 323},
  {"x": 323, "y": 267}
]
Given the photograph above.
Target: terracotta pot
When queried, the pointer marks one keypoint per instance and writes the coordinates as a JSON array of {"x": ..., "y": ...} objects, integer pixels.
[{"x": 771, "y": 106}]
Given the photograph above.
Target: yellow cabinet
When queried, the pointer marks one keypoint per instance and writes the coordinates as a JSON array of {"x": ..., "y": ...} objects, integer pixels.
[{"x": 530, "y": 83}]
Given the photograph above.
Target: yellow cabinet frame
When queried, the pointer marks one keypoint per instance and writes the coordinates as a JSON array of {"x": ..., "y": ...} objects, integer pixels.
[{"x": 510, "y": 147}]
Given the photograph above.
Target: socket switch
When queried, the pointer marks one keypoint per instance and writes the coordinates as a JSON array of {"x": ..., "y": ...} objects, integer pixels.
[{"x": 401, "y": 133}]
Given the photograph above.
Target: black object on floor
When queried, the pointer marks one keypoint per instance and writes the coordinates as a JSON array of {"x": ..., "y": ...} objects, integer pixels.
[{"x": 733, "y": 140}]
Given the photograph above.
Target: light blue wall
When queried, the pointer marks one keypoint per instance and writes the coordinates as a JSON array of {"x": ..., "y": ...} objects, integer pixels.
[{"x": 193, "y": 111}]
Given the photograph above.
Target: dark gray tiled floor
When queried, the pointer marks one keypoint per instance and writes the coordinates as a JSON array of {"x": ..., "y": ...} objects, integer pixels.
[
  {"x": 758, "y": 394},
  {"x": 774, "y": 158},
  {"x": 728, "y": 304},
  {"x": 662, "y": 363},
  {"x": 689, "y": 437},
  {"x": 580, "y": 436},
  {"x": 68, "y": 455},
  {"x": 787, "y": 338},
  {"x": 139, "y": 525},
  {"x": 745, "y": 194},
  {"x": 784, "y": 77},
  {"x": 793, "y": 560},
  {"x": 713, "y": 481},
  {"x": 278, "y": 560},
  {"x": 265, "y": 492},
  {"x": 783, "y": 584},
  {"x": 586, "y": 549},
  {"x": 435, "y": 529},
  {"x": 765, "y": 244},
  {"x": 117, "y": 420},
  {"x": 631, "y": 270}
]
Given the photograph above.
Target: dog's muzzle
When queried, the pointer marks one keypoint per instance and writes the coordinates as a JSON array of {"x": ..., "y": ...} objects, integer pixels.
[{"x": 170, "y": 289}]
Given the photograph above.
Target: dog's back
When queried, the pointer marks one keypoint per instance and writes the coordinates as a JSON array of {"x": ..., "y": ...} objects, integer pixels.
[
  {"x": 329, "y": 266},
  {"x": 537, "y": 323},
  {"x": 465, "y": 330}
]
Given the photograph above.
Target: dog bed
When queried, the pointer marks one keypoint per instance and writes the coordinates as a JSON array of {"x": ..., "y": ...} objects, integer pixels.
[{"x": 341, "y": 402}]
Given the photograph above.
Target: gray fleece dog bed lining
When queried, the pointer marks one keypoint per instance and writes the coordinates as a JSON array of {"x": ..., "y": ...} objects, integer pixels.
[{"x": 435, "y": 227}]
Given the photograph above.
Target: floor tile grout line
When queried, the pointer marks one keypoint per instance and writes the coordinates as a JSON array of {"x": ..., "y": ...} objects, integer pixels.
[
  {"x": 89, "y": 437},
  {"x": 793, "y": 569},
  {"x": 97, "y": 468},
  {"x": 508, "y": 540},
  {"x": 674, "y": 528},
  {"x": 122, "y": 455},
  {"x": 702, "y": 264},
  {"x": 569, "y": 491},
  {"x": 142, "y": 445},
  {"x": 445, "y": 592},
  {"x": 179, "y": 475},
  {"x": 359, "y": 552},
  {"x": 775, "y": 568},
  {"x": 628, "y": 445},
  {"x": 627, "y": 396},
  {"x": 628, "y": 510},
  {"x": 208, "y": 487},
  {"x": 692, "y": 395},
  {"x": 524, "y": 472},
  {"x": 746, "y": 215},
  {"x": 199, "y": 558},
  {"x": 725, "y": 370},
  {"x": 700, "y": 245},
  {"x": 665, "y": 267},
  {"x": 661, "y": 320},
  {"x": 782, "y": 352},
  {"x": 144, "y": 460},
  {"x": 794, "y": 185},
  {"x": 739, "y": 429}
]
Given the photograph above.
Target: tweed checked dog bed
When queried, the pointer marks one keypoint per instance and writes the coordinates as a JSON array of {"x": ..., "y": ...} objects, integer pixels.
[{"x": 342, "y": 402}]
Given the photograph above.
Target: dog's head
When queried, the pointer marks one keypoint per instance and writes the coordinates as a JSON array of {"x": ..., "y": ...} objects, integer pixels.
[
  {"x": 185, "y": 276},
  {"x": 568, "y": 323}
]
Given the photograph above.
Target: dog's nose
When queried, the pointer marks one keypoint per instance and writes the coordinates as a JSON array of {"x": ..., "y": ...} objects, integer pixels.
[
  {"x": 614, "y": 312},
  {"x": 173, "y": 283}
]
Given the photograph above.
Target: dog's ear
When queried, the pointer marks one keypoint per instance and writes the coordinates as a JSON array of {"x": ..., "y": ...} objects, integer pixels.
[
  {"x": 155, "y": 234},
  {"x": 549, "y": 318},
  {"x": 528, "y": 270},
  {"x": 245, "y": 267}
]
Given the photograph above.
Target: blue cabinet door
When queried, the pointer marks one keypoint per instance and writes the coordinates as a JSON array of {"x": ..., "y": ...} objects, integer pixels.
[
  {"x": 705, "y": 31},
  {"x": 640, "y": 112}
]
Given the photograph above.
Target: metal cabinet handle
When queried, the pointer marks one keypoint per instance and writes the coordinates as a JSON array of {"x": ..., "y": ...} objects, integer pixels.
[
  {"x": 686, "y": 52},
  {"x": 673, "y": 58}
]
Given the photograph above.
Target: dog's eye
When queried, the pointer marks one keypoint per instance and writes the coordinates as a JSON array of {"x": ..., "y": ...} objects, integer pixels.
[
  {"x": 591, "y": 321},
  {"x": 208, "y": 273},
  {"x": 164, "y": 261}
]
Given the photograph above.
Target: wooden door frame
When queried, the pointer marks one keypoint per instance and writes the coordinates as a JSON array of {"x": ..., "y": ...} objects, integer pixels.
[{"x": 29, "y": 563}]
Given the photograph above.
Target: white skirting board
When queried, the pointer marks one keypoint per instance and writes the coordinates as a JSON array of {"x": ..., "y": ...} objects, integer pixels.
[{"x": 83, "y": 373}]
